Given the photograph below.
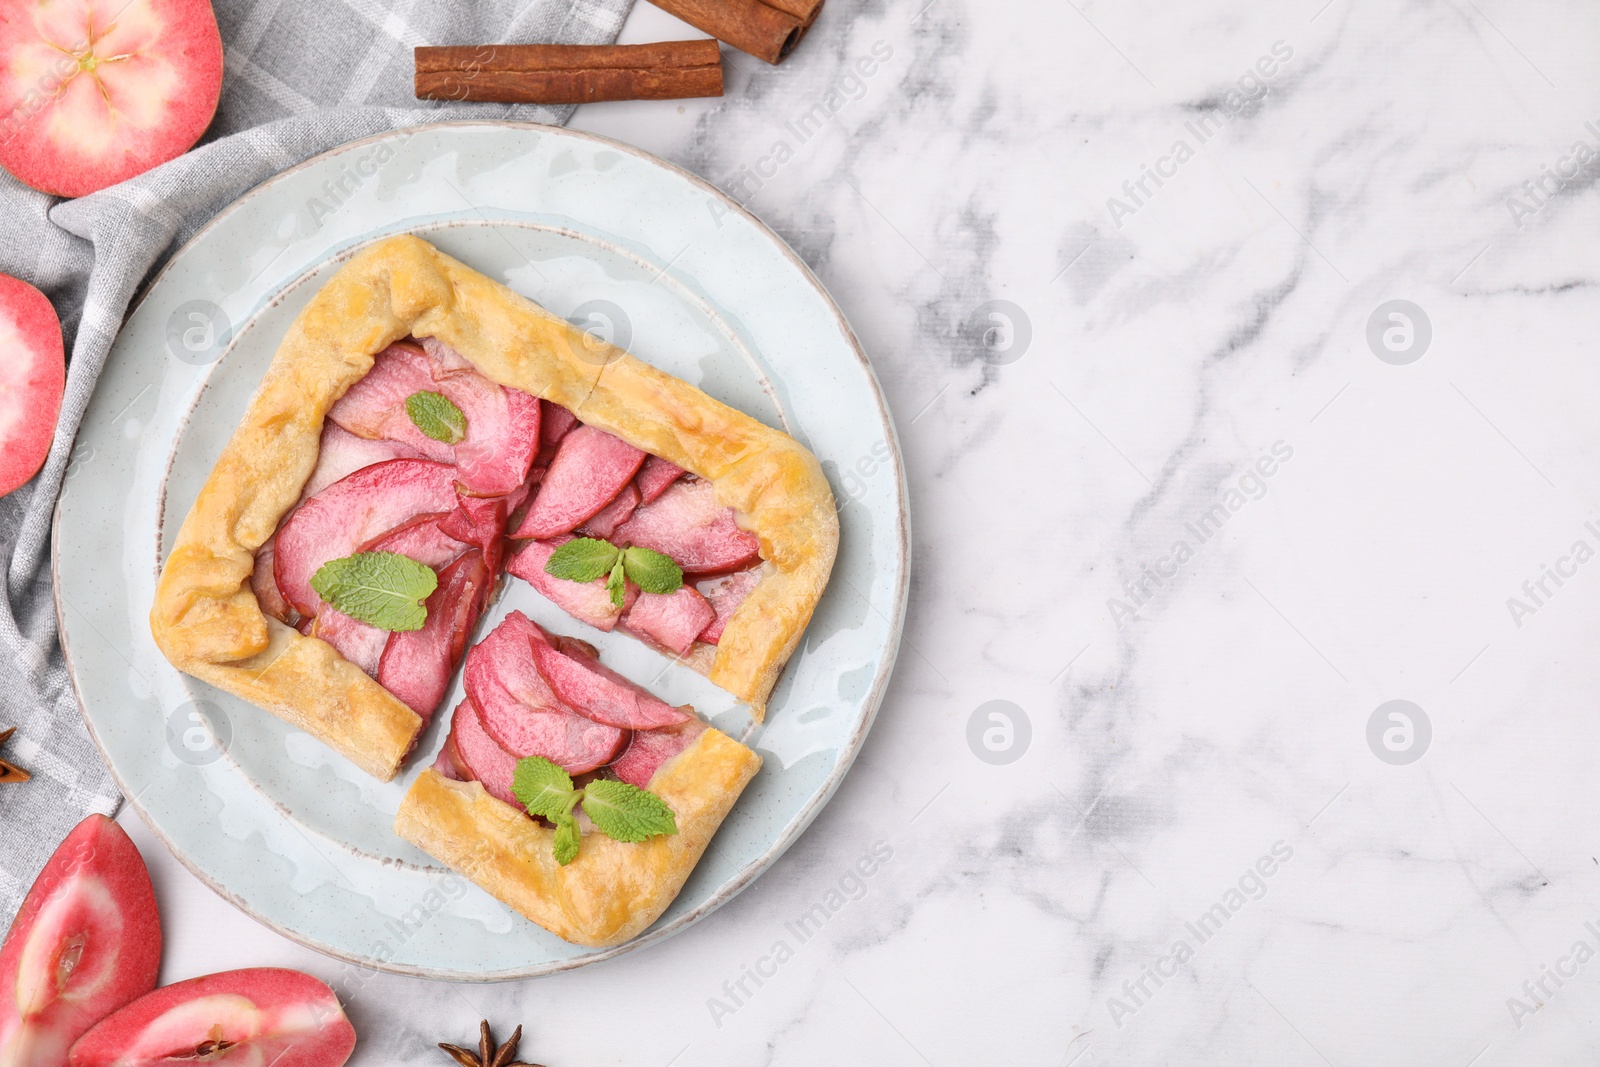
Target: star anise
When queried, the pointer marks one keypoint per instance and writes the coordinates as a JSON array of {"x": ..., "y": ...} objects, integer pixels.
[
  {"x": 10, "y": 772},
  {"x": 488, "y": 1055}
]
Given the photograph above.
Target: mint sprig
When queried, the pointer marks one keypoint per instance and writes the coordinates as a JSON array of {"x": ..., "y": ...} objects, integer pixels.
[
  {"x": 382, "y": 589},
  {"x": 583, "y": 559},
  {"x": 618, "y": 810},
  {"x": 437, "y": 417}
]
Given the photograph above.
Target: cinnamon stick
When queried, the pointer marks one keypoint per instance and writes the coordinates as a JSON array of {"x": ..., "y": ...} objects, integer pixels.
[
  {"x": 767, "y": 29},
  {"x": 569, "y": 73}
]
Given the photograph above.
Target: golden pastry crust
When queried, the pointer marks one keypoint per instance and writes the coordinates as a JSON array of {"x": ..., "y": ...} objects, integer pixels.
[
  {"x": 206, "y": 619},
  {"x": 613, "y": 891}
]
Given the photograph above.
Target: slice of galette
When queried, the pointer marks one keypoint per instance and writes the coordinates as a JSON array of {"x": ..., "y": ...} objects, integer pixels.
[
  {"x": 568, "y": 792},
  {"x": 420, "y": 430}
]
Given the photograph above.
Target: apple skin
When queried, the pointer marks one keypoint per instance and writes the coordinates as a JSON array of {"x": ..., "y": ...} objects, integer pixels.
[
  {"x": 268, "y": 1015},
  {"x": 82, "y": 110},
  {"x": 90, "y": 918},
  {"x": 33, "y": 375}
]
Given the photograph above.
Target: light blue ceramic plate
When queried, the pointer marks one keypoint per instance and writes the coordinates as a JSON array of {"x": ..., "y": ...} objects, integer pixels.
[{"x": 648, "y": 256}]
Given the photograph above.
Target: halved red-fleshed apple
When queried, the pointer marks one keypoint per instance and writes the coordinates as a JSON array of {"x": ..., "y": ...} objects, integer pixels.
[
  {"x": 86, "y": 942},
  {"x": 259, "y": 1016},
  {"x": 94, "y": 92},
  {"x": 33, "y": 372}
]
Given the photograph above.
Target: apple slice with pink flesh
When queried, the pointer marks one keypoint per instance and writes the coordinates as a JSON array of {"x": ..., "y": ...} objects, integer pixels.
[
  {"x": 261, "y": 1016},
  {"x": 479, "y": 758},
  {"x": 94, "y": 92},
  {"x": 33, "y": 373},
  {"x": 556, "y": 422},
  {"x": 604, "y": 523},
  {"x": 649, "y": 749},
  {"x": 672, "y": 620},
  {"x": 86, "y": 942},
  {"x": 342, "y": 453},
  {"x": 502, "y": 425},
  {"x": 519, "y": 710},
  {"x": 353, "y": 512},
  {"x": 359, "y": 642},
  {"x": 687, "y": 524},
  {"x": 417, "y": 664},
  {"x": 589, "y": 470},
  {"x": 264, "y": 584},
  {"x": 585, "y": 601},
  {"x": 480, "y": 521},
  {"x": 725, "y": 594},
  {"x": 655, "y": 477},
  {"x": 597, "y": 692}
]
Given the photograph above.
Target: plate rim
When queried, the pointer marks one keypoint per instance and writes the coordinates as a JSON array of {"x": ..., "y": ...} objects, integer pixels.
[{"x": 849, "y": 750}]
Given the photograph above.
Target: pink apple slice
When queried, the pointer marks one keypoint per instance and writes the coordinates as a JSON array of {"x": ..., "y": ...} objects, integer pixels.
[
  {"x": 342, "y": 453},
  {"x": 421, "y": 538},
  {"x": 86, "y": 942},
  {"x": 33, "y": 373},
  {"x": 358, "y": 642},
  {"x": 649, "y": 749},
  {"x": 480, "y": 521},
  {"x": 479, "y": 757},
  {"x": 556, "y": 423},
  {"x": 352, "y": 512},
  {"x": 599, "y": 693},
  {"x": 687, "y": 524},
  {"x": 672, "y": 620},
  {"x": 520, "y": 711},
  {"x": 94, "y": 92},
  {"x": 263, "y": 1015},
  {"x": 264, "y": 584},
  {"x": 417, "y": 664},
  {"x": 589, "y": 470},
  {"x": 655, "y": 476},
  {"x": 604, "y": 522},
  {"x": 502, "y": 425},
  {"x": 725, "y": 594},
  {"x": 585, "y": 601}
]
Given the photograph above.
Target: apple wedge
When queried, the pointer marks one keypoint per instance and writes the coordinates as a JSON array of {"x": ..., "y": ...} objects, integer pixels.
[
  {"x": 33, "y": 374},
  {"x": 672, "y": 620},
  {"x": 94, "y": 92},
  {"x": 649, "y": 749},
  {"x": 687, "y": 524},
  {"x": 585, "y": 601},
  {"x": 258, "y": 1016},
  {"x": 597, "y": 692},
  {"x": 86, "y": 942},
  {"x": 589, "y": 470}
]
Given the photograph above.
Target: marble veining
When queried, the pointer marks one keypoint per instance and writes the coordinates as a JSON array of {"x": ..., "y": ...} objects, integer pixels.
[{"x": 1215, "y": 845}]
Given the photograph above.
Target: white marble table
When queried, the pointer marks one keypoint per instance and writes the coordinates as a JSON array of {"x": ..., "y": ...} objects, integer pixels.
[{"x": 1198, "y": 856}]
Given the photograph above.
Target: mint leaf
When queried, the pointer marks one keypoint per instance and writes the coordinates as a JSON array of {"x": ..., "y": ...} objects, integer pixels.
[
  {"x": 626, "y": 812},
  {"x": 566, "y": 842},
  {"x": 543, "y": 787},
  {"x": 617, "y": 583},
  {"x": 651, "y": 571},
  {"x": 437, "y": 417},
  {"x": 382, "y": 589},
  {"x": 583, "y": 559}
]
